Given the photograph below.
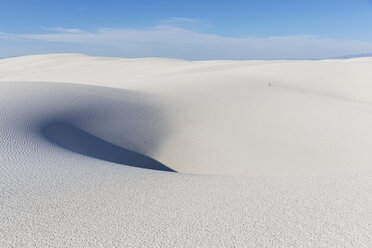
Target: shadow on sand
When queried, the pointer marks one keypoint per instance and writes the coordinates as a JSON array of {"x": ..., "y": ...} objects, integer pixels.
[{"x": 74, "y": 139}]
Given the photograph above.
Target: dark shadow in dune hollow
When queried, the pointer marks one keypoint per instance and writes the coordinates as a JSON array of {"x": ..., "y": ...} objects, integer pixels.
[{"x": 77, "y": 140}]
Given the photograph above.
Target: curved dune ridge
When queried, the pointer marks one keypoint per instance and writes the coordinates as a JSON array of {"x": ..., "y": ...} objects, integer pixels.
[
  {"x": 267, "y": 153},
  {"x": 75, "y": 139}
]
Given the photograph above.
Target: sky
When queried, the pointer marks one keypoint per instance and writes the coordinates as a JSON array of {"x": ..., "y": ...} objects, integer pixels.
[{"x": 188, "y": 29}]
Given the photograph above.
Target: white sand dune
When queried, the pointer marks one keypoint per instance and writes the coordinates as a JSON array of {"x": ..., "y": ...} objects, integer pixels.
[{"x": 112, "y": 152}]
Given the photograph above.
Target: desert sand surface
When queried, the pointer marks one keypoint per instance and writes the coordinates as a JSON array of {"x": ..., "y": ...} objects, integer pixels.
[{"x": 153, "y": 152}]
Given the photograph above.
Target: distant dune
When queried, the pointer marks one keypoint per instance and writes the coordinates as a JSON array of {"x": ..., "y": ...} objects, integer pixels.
[
  {"x": 152, "y": 152},
  {"x": 351, "y": 56}
]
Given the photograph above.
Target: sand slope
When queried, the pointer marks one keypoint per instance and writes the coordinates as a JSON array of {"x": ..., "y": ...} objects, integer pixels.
[{"x": 169, "y": 153}]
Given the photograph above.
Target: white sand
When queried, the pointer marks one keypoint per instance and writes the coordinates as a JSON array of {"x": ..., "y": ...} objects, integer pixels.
[{"x": 268, "y": 153}]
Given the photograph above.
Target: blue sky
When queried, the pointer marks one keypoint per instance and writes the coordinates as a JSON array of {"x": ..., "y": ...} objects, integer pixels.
[{"x": 198, "y": 30}]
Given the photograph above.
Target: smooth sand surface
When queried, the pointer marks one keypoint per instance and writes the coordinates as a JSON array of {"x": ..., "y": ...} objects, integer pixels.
[{"x": 151, "y": 152}]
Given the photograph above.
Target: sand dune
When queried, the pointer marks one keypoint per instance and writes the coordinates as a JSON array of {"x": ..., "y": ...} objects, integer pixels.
[{"x": 154, "y": 152}]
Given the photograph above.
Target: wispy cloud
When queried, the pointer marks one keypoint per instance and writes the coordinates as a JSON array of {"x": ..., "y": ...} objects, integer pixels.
[
  {"x": 65, "y": 30},
  {"x": 186, "y": 23},
  {"x": 168, "y": 39}
]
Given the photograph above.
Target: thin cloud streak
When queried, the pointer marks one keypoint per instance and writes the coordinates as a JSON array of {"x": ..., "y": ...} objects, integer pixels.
[{"x": 173, "y": 41}]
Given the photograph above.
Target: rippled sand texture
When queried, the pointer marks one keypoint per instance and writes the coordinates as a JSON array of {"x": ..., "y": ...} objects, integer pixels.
[{"x": 111, "y": 152}]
